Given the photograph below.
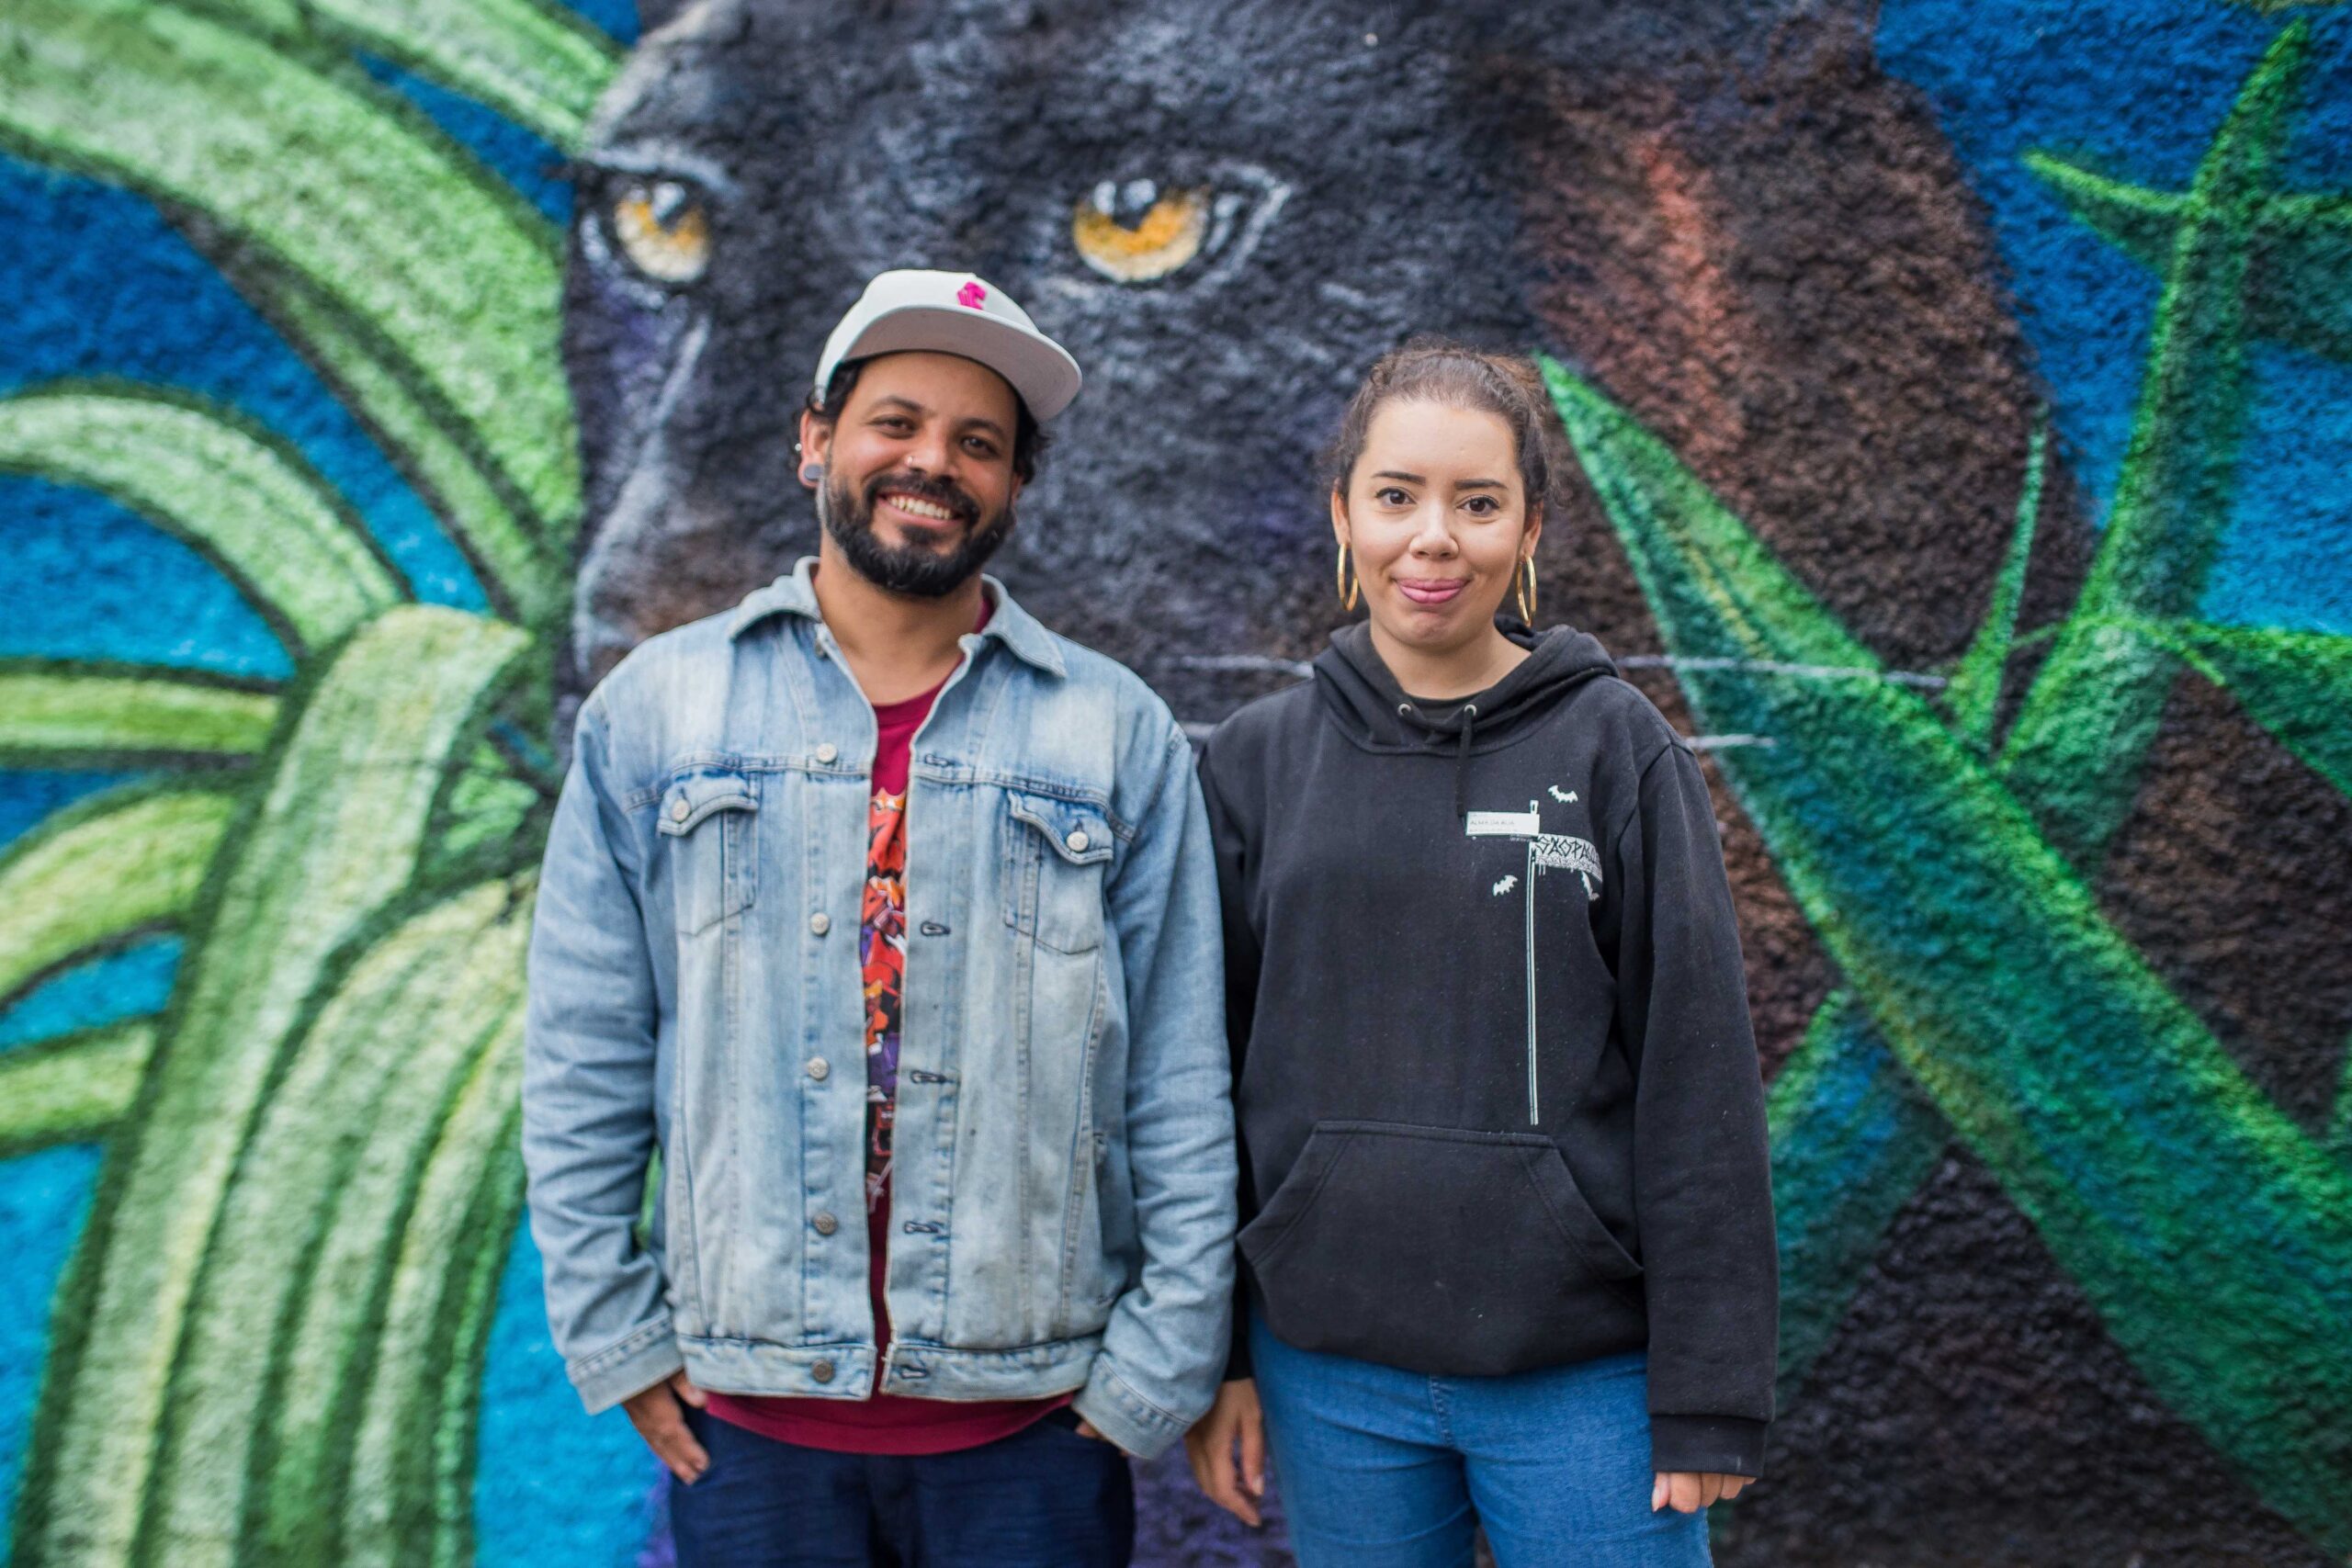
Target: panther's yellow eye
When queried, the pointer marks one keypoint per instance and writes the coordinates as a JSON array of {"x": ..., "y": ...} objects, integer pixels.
[
  {"x": 1166, "y": 231},
  {"x": 663, "y": 228}
]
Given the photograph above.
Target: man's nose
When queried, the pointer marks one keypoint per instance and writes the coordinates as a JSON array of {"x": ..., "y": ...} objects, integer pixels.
[{"x": 931, "y": 454}]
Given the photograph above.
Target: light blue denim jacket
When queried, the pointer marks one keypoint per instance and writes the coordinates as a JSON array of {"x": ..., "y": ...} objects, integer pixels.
[{"x": 1062, "y": 1203}]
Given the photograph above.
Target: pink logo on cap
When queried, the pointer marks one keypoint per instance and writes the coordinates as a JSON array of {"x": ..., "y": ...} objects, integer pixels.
[{"x": 972, "y": 295}]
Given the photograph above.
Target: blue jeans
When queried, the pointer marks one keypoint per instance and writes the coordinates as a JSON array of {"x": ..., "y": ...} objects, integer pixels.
[
  {"x": 1044, "y": 1498},
  {"x": 1381, "y": 1467}
]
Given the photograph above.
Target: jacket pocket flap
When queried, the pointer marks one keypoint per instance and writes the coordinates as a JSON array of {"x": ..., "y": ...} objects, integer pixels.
[
  {"x": 691, "y": 798},
  {"x": 1080, "y": 833}
]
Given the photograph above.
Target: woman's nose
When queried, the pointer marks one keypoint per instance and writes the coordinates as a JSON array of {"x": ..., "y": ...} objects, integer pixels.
[{"x": 1432, "y": 537}]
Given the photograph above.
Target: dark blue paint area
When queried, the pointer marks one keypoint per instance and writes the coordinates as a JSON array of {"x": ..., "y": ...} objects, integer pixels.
[
  {"x": 617, "y": 18},
  {"x": 128, "y": 983},
  {"x": 27, "y": 797},
  {"x": 44, "y": 1199},
  {"x": 98, "y": 285},
  {"x": 529, "y": 164},
  {"x": 2137, "y": 92},
  {"x": 551, "y": 1486},
  {"x": 87, "y": 579}
]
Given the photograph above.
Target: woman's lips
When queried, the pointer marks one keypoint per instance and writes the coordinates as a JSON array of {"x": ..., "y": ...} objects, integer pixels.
[{"x": 1430, "y": 590}]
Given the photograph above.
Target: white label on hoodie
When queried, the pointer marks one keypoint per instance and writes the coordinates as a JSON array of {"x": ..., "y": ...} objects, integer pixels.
[{"x": 1525, "y": 824}]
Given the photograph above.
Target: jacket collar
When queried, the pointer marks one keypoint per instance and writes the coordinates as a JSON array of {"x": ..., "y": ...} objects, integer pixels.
[{"x": 795, "y": 594}]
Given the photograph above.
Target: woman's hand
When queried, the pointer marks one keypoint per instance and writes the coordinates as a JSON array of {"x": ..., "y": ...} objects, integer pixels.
[
  {"x": 1236, "y": 1416},
  {"x": 1686, "y": 1491}
]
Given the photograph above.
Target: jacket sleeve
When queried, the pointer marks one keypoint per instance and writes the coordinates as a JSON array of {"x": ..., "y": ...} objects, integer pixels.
[
  {"x": 1702, "y": 1184},
  {"x": 1241, "y": 968},
  {"x": 1164, "y": 1348},
  {"x": 588, "y": 1064}
]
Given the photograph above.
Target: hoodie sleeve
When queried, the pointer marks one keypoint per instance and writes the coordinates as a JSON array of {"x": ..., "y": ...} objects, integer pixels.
[
  {"x": 1241, "y": 963},
  {"x": 1702, "y": 1184}
]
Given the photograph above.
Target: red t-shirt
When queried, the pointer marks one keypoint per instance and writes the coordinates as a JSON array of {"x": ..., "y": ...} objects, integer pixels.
[{"x": 884, "y": 1423}]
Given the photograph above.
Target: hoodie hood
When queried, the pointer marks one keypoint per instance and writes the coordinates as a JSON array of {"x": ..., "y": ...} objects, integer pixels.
[{"x": 1363, "y": 699}]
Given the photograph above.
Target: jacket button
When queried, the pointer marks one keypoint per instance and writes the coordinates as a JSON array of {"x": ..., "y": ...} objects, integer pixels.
[
  {"x": 1077, "y": 841},
  {"x": 680, "y": 811},
  {"x": 825, "y": 1222},
  {"x": 819, "y": 1067},
  {"x": 822, "y": 1371},
  {"x": 826, "y": 752},
  {"x": 820, "y": 922}
]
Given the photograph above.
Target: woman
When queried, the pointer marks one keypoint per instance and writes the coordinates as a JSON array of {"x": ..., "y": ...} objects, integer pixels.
[{"x": 1510, "y": 1245}]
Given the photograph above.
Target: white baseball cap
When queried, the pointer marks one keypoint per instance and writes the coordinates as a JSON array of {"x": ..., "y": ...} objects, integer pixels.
[{"x": 954, "y": 313}]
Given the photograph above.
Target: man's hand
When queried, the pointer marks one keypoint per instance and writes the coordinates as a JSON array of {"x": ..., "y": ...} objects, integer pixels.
[
  {"x": 1088, "y": 1429},
  {"x": 1688, "y": 1491},
  {"x": 662, "y": 1421},
  {"x": 1236, "y": 1416}
]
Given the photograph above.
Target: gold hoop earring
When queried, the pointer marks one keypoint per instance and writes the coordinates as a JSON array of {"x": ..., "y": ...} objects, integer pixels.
[
  {"x": 1348, "y": 592},
  {"x": 1527, "y": 592}
]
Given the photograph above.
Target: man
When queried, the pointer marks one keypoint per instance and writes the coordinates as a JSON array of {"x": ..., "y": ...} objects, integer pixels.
[{"x": 968, "y": 990}]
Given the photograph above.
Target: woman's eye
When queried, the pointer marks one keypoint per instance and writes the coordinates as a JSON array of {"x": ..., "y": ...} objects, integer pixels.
[
  {"x": 663, "y": 227},
  {"x": 1392, "y": 497},
  {"x": 1482, "y": 506}
]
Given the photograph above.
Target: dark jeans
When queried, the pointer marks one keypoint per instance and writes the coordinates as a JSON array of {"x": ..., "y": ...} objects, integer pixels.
[{"x": 1044, "y": 1498}]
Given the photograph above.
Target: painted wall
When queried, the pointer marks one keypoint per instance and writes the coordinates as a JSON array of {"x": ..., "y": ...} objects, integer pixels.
[{"x": 1962, "y": 395}]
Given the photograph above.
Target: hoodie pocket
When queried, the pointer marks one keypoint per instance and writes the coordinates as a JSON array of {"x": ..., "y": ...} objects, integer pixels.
[{"x": 1441, "y": 1250}]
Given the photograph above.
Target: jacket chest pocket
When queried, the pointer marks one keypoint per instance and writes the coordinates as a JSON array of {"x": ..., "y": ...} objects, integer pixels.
[
  {"x": 710, "y": 821},
  {"x": 1055, "y": 852}
]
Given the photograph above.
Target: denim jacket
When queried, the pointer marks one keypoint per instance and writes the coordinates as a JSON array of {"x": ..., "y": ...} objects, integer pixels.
[{"x": 1062, "y": 1200}]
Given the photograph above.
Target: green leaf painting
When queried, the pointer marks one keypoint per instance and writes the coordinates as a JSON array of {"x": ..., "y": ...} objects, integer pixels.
[
  {"x": 331, "y": 841},
  {"x": 444, "y": 272},
  {"x": 2108, "y": 1112},
  {"x": 247, "y": 502},
  {"x": 73, "y": 1088},
  {"x": 116, "y": 867},
  {"x": 60, "y": 715},
  {"x": 2078, "y": 750}
]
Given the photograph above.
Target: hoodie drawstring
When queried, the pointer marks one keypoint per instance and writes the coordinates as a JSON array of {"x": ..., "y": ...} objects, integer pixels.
[
  {"x": 1462, "y": 752},
  {"x": 1461, "y": 758}
]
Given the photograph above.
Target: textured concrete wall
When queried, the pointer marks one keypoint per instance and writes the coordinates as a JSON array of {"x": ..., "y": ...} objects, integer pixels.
[{"x": 1963, "y": 397}]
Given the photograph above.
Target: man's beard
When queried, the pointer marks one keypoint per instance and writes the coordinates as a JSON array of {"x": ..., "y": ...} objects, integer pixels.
[{"x": 918, "y": 571}]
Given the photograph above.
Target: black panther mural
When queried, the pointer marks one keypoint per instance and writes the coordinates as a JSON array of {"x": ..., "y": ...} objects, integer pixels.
[{"x": 1719, "y": 211}]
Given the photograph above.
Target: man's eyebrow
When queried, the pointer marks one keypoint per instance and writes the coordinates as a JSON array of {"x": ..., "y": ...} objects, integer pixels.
[{"x": 894, "y": 399}]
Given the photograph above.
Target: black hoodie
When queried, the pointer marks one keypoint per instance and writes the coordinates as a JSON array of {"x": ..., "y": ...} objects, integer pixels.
[{"x": 1497, "y": 1085}]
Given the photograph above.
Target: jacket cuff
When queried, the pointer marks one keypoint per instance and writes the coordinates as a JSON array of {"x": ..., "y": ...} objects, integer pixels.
[
  {"x": 629, "y": 1366},
  {"x": 1731, "y": 1445},
  {"x": 1126, "y": 1417}
]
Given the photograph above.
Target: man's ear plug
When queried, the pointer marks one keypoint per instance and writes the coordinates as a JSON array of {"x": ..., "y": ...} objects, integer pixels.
[{"x": 811, "y": 472}]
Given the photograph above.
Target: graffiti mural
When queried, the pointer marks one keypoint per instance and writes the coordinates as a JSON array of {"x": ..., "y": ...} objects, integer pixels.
[{"x": 1963, "y": 397}]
